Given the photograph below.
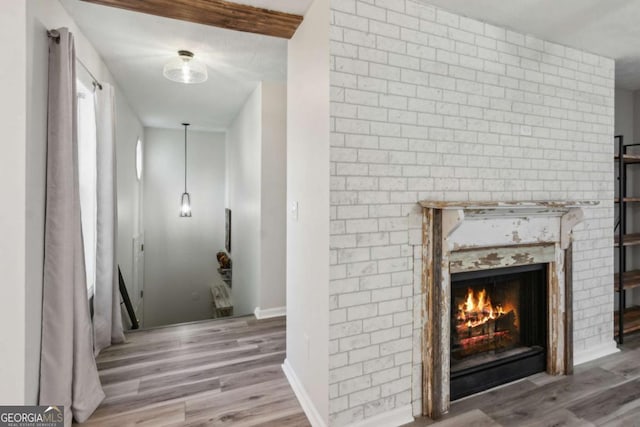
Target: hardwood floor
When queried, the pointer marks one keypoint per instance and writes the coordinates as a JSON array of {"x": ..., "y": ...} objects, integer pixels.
[
  {"x": 215, "y": 373},
  {"x": 605, "y": 392},
  {"x": 227, "y": 373}
]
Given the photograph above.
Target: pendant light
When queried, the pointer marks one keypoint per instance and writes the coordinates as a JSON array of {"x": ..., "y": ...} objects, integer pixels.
[
  {"x": 185, "y": 201},
  {"x": 185, "y": 69}
]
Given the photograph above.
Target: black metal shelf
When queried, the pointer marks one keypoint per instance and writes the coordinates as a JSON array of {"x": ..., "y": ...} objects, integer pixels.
[
  {"x": 629, "y": 158},
  {"x": 625, "y": 280},
  {"x": 630, "y": 321},
  {"x": 630, "y": 280}
]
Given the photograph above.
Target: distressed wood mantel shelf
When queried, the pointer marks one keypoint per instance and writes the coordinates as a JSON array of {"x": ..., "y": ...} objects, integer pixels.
[
  {"x": 481, "y": 235},
  {"x": 529, "y": 204}
]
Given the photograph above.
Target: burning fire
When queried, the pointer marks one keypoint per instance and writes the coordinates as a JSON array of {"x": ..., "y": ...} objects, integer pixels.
[{"x": 478, "y": 310}]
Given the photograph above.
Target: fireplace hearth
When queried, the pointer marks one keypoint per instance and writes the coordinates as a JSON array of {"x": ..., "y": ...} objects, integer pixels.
[{"x": 498, "y": 327}]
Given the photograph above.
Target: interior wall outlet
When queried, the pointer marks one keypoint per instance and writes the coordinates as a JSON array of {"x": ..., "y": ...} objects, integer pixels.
[{"x": 293, "y": 210}]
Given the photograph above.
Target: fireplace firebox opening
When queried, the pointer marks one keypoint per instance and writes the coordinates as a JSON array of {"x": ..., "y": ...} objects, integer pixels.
[{"x": 498, "y": 327}]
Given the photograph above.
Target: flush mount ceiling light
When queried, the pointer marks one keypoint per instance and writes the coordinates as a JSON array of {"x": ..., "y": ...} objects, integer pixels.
[{"x": 185, "y": 69}]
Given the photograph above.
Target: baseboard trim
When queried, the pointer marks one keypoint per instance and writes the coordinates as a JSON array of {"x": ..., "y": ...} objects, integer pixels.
[
  {"x": 268, "y": 313},
  {"x": 594, "y": 353},
  {"x": 305, "y": 401},
  {"x": 393, "y": 418}
]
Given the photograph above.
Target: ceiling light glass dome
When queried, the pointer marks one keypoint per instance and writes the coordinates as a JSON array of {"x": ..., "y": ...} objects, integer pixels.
[{"x": 185, "y": 69}]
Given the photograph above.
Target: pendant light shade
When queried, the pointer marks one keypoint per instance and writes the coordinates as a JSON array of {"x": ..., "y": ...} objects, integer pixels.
[
  {"x": 185, "y": 200},
  {"x": 185, "y": 205},
  {"x": 185, "y": 69}
]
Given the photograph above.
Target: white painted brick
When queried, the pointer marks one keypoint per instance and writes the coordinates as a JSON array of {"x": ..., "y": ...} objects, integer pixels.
[
  {"x": 421, "y": 51},
  {"x": 384, "y": 211},
  {"x": 364, "y": 354},
  {"x": 355, "y": 342},
  {"x": 372, "y": 55},
  {"x": 377, "y": 323},
  {"x": 364, "y": 396},
  {"x": 420, "y": 10},
  {"x": 385, "y": 376},
  {"x": 394, "y": 5},
  {"x": 402, "y": 19},
  {"x": 372, "y": 12},
  {"x": 385, "y": 335},
  {"x": 360, "y": 141},
  {"x": 494, "y": 32},
  {"x": 430, "y": 105},
  {"x": 394, "y": 306},
  {"x": 343, "y": 241},
  {"x": 447, "y": 57},
  {"x": 375, "y": 281},
  {"x": 446, "y": 18},
  {"x": 471, "y": 25},
  {"x": 384, "y": 29},
  {"x": 354, "y": 384},
  {"x": 346, "y": 20},
  {"x": 397, "y": 346},
  {"x": 353, "y": 255},
  {"x": 386, "y": 294},
  {"x": 338, "y": 360},
  {"x": 389, "y": 44},
  {"x": 360, "y": 97},
  {"x": 362, "y": 312}
]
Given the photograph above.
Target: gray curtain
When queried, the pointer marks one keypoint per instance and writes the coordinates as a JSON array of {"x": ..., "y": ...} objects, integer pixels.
[
  {"x": 68, "y": 372},
  {"x": 107, "y": 321}
]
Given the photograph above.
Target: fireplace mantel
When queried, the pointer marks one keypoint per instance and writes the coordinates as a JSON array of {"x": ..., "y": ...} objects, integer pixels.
[
  {"x": 478, "y": 235},
  {"x": 541, "y": 205},
  {"x": 533, "y": 228}
]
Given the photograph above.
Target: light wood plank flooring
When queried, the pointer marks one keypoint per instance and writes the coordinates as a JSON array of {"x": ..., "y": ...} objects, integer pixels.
[
  {"x": 605, "y": 392},
  {"x": 223, "y": 372}
]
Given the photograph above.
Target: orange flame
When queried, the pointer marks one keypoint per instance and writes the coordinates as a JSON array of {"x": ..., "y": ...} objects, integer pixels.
[{"x": 477, "y": 310}]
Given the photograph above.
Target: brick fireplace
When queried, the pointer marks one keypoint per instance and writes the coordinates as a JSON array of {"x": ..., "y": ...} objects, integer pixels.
[{"x": 498, "y": 284}]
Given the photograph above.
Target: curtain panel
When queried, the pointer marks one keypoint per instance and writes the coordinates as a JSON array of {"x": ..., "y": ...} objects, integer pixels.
[
  {"x": 68, "y": 372},
  {"x": 107, "y": 320}
]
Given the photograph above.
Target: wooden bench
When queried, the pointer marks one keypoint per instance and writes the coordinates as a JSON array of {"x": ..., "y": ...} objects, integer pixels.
[{"x": 222, "y": 304}]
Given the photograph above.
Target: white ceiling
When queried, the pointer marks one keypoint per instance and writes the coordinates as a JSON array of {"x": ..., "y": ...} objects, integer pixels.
[
  {"x": 607, "y": 27},
  {"x": 135, "y": 47}
]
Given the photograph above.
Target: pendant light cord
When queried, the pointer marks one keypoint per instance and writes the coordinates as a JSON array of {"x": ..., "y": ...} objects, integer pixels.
[{"x": 185, "y": 156}]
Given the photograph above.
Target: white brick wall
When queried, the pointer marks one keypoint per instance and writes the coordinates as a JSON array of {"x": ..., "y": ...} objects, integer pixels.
[{"x": 427, "y": 104}]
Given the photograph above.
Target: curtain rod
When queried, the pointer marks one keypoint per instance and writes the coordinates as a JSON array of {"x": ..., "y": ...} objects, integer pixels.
[{"x": 55, "y": 35}]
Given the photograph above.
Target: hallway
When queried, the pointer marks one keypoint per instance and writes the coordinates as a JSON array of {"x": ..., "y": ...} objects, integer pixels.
[{"x": 220, "y": 372}]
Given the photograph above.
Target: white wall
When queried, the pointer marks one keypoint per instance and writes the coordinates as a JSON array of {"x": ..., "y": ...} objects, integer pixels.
[
  {"x": 308, "y": 185},
  {"x": 180, "y": 253},
  {"x": 13, "y": 172},
  {"x": 130, "y": 223},
  {"x": 256, "y": 159},
  {"x": 244, "y": 141},
  {"x": 43, "y": 15},
  {"x": 624, "y": 114},
  {"x": 273, "y": 210}
]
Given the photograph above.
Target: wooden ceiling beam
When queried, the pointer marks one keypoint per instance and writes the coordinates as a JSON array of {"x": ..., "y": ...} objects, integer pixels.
[{"x": 217, "y": 13}]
